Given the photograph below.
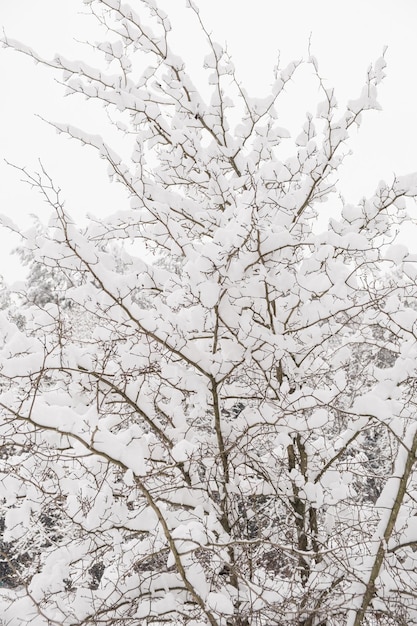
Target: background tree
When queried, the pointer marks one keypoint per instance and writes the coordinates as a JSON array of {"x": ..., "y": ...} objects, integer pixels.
[{"x": 201, "y": 425}]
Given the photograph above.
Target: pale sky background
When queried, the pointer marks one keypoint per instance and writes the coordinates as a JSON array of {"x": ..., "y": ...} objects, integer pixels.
[{"x": 346, "y": 37}]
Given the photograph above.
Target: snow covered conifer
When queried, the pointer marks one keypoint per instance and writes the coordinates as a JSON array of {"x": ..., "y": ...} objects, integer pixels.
[{"x": 203, "y": 436}]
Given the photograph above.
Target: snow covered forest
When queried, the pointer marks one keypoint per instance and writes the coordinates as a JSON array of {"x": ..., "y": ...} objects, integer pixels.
[{"x": 208, "y": 398}]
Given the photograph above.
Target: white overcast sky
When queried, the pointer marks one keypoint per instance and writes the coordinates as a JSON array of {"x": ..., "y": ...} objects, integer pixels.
[{"x": 346, "y": 37}]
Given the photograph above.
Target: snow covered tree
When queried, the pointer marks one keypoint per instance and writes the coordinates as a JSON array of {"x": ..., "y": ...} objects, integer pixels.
[{"x": 220, "y": 431}]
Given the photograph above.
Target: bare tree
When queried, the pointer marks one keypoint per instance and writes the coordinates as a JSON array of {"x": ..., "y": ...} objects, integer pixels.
[{"x": 221, "y": 432}]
